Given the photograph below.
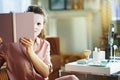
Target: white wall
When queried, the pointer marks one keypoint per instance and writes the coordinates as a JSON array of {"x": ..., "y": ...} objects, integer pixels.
[
  {"x": 73, "y": 28},
  {"x": 78, "y": 30},
  {"x": 73, "y": 34}
]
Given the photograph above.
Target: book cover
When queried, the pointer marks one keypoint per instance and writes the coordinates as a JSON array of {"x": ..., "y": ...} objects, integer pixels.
[{"x": 16, "y": 25}]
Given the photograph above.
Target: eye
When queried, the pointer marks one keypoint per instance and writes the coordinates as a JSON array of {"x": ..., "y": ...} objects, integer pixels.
[{"x": 38, "y": 24}]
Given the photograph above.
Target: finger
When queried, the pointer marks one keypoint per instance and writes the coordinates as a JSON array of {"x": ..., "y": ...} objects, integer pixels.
[
  {"x": 25, "y": 42},
  {"x": 1, "y": 40},
  {"x": 29, "y": 39}
]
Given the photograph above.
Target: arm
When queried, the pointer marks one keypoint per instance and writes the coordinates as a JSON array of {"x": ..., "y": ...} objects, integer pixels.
[{"x": 39, "y": 65}]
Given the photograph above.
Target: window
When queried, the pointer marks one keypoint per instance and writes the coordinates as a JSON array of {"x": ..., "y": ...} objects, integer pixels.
[
  {"x": 115, "y": 6},
  {"x": 14, "y": 5}
]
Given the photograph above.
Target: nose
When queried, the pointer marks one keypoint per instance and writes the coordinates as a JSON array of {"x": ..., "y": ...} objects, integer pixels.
[{"x": 36, "y": 26}]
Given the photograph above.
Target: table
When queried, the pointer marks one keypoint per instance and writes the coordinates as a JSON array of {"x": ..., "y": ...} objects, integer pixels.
[
  {"x": 88, "y": 76},
  {"x": 107, "y": 69},
  {"x": 87, "y": 72}
]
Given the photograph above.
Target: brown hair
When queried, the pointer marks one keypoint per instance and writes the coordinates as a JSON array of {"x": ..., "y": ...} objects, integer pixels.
[{"x": 39, "y": 10}]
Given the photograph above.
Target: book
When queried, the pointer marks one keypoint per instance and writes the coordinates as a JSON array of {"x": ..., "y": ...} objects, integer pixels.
[{"x": 14, "y": 26}]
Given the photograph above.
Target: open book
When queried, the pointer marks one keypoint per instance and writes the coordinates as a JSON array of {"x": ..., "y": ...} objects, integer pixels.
[{"x": 16, "y": 25}]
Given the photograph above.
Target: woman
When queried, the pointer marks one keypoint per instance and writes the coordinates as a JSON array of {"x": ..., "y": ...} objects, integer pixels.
[{"x": 28, "y": 59}]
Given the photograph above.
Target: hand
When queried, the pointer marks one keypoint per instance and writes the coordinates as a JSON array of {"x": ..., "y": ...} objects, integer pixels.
[
  {"x": 27, "y": 42},
  {"x": 1, "y": 40}
]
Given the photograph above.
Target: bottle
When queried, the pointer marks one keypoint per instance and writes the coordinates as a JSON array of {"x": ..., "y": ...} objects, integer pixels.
[{"x": 95, "y": 56}]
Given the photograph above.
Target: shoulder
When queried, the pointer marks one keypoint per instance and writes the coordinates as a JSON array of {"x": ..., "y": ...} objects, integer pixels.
[
  {"x": 46, "y": 42},
  {"x": 43, "y": 41}
]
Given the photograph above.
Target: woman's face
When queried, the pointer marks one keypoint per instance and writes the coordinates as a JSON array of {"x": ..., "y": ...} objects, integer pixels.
[{"x": 38, "y": 24}]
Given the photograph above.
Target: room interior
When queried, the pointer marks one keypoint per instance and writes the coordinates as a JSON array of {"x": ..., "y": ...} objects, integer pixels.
[
  {"x": 81, "y": 28},
  {"x": 74, "y": 27}
]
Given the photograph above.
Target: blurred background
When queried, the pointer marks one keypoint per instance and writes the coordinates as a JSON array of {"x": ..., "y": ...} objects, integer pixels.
[
  {"x": 80, "y": 24},
  {"x": 75, "y": 27}
]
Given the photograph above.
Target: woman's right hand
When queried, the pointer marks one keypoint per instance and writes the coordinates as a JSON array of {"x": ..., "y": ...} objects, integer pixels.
[{"x": 1, "y": 40}]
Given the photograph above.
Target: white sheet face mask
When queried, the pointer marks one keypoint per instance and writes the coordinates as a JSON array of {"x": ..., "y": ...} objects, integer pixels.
[{"x": 38, "y": 24}]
